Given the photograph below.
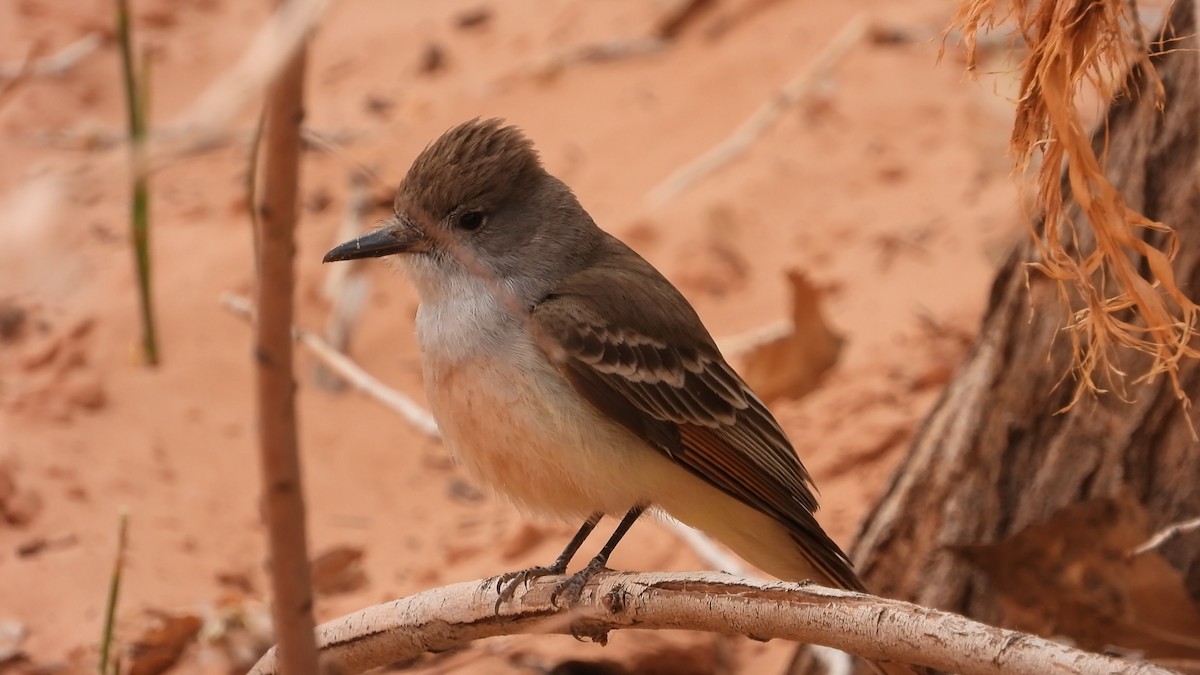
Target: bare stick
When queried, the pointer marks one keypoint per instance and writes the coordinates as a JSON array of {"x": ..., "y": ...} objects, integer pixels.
[
  {"x": 331, "y": 146},
  {"x": 346, "y": 368},
  {"x": 1167, "y": 534},
  {"x": 55, "y": 64},
  {"x": 282, "y": 488},
  {"x": 744, "y": 136},
  {"x": 208, "y": 121},
  {"x": 608, "y": 50},
  {"x": 875, "y": 628}
]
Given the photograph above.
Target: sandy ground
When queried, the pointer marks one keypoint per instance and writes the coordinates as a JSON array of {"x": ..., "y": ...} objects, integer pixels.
[{"x": 887, "y": 187}]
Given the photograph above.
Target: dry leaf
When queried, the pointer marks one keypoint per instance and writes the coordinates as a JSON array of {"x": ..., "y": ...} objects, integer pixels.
[
  {"x": 338, "y": 570},
  {"x": 161, "y": 645},
  {"x": 1072, "y": 575},
  {"x": 679, "y": 16},
  {"x": 792, "y": 365},
  {"x": 21, "y": 508}
]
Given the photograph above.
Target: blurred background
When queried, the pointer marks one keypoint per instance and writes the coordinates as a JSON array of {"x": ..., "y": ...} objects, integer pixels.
[{"x": 882, "y": 190}]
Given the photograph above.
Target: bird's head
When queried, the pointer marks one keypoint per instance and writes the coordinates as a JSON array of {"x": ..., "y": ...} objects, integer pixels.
[{"x": 478, "y": 202}]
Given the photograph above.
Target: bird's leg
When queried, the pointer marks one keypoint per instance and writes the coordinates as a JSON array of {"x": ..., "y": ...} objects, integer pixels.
[
  {"x": 507, "y": 583},
  {"x": 571, "y": 589}
]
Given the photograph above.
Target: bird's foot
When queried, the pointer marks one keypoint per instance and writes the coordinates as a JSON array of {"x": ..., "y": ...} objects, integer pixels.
[
  {"x": 570, "y": 590},
  {"x": 507, "y": 583}
]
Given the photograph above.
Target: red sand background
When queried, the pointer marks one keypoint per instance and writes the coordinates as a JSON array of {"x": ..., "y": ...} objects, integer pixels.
[{"x": 888, "y": 188}]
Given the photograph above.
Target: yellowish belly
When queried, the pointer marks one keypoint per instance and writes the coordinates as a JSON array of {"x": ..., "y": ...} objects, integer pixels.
[{"x": 524, "y": 432}]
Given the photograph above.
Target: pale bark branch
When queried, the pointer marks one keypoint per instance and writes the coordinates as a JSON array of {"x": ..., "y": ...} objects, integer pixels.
[
  {"x": 744, "y": 136},
  {"x": 345, "y": 367},
  {"x": 207, "y": 122},
  {"x": 874, "y": 628},
  {"x": 1167, "y": 534},
  {"x": 56, "y": 64}
]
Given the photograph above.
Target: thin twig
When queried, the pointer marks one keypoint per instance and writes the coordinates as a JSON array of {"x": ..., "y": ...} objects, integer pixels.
[
  {"x": 874, "y": 628},
  {"x": 251, "y": 186},
  {"x": 56, "y": 64},
  {"x": 1167, "y": 534},
  {"x": 608, "y": 50},
  {"x": 744, "y": 136},
  {"x": 282, "y": 484},
  {"x": 331, "y": 146},
  {"x": 207, "y": 123},
  {"x": 346, "y": 368}
]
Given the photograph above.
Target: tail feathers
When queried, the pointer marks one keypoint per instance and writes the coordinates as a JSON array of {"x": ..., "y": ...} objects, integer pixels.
[{"x": 825, "y": 557}]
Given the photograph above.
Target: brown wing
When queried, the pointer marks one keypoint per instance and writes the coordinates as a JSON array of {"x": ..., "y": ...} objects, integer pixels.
[{"x": 640, "y": 354}]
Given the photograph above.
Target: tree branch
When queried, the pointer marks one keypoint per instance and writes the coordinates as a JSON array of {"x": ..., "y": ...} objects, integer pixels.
[
  {"x": 282, "y": 488},
  {"x": 875, "y": 628}
]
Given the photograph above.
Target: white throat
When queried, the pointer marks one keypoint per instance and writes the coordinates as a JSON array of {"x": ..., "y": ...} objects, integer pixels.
[{"x": 459, "y": 316}]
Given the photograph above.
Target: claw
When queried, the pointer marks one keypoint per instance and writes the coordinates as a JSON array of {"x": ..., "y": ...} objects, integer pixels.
[
  {"x": 571, "y": 589},
  {"x": 508, "y": 583}
]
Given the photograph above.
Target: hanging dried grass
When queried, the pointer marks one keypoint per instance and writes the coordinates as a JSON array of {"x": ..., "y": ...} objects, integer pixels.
[{"x": 1072, "y": 43}]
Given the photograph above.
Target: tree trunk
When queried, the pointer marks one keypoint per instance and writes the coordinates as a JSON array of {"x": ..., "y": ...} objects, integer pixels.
[{"x": 996, "y": 456}]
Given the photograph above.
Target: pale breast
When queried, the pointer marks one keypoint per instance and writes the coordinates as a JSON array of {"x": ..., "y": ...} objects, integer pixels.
[{"x": 514, "y": 423}]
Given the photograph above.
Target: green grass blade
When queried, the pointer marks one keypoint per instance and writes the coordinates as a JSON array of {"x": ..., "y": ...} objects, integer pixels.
[
  {"x": 137, "y": 104},
  {"x": 114, "y": 590}
]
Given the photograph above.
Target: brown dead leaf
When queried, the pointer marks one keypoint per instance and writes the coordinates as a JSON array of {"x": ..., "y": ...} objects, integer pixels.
[
  {"x": 679, "y": 16},
  {"x": 13, "y": 320},
  {"x": 158, "y": 648},
  {"x": 476, "y": 17},
  {"x": 1072, "y": 575},
  {"x": 18, "y": 506},
  {"x": 791, "y": 366},
  {"x": 338, "y": 570},
  {"x": 38, "y": 545},
  {"x": 21, "y": 508}
]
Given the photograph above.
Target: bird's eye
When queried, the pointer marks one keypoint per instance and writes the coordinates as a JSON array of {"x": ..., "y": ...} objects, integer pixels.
[{"x": 469, "y": 220}]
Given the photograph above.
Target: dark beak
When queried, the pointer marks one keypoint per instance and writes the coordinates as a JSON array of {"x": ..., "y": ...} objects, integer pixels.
[{"x": 388, "y": 240}]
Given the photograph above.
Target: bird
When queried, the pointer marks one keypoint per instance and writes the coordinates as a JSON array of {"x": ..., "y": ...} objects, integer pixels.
[{"x": 572, "y": 377}]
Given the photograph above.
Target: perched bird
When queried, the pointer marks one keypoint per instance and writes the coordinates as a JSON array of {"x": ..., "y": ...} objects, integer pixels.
[{"x": 568, "y": 374}]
